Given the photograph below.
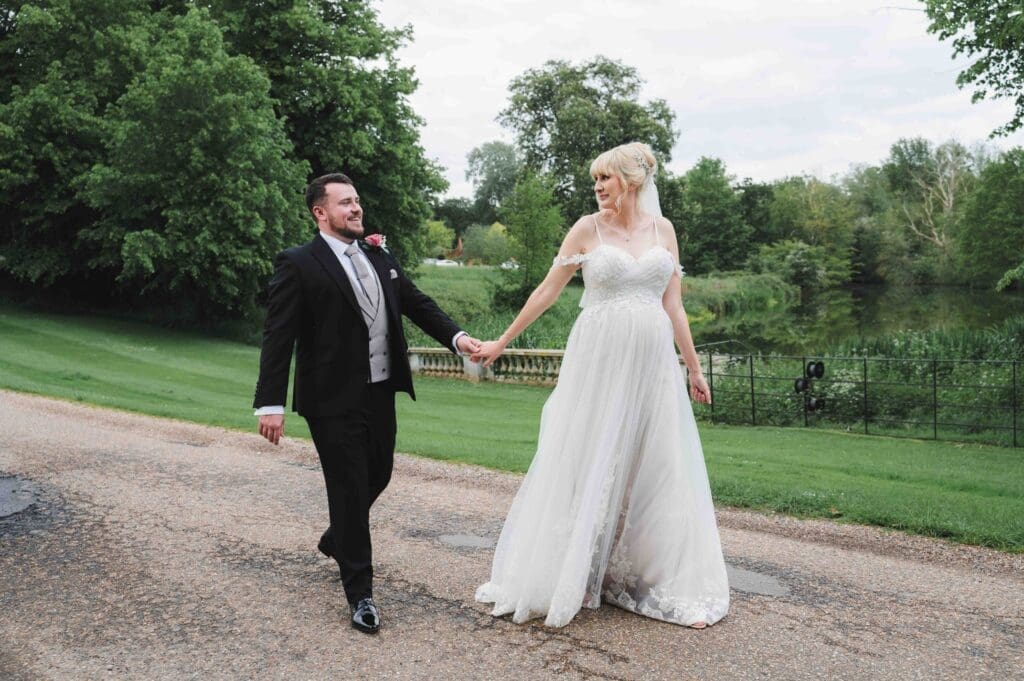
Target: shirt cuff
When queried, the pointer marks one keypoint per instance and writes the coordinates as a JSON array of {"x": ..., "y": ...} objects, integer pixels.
[
  {"x": 276, "y": 409},
  {"x": 455, "y": 341}
]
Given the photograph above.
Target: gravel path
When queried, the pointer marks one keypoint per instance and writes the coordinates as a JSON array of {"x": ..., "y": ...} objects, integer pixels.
[{"x": 161, "y": 549}]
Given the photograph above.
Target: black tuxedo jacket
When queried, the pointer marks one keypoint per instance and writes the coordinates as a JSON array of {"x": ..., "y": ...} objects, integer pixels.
[{"x": 312, "y": 308}]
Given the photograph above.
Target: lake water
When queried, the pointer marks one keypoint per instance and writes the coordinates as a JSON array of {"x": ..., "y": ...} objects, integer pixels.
[{"x": 857, "y": 312}]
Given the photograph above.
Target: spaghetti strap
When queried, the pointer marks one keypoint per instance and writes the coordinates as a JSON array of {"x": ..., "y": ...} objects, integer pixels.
[
  {"x": 597, "y": 229},
  {"x": 657, "y": 234}
]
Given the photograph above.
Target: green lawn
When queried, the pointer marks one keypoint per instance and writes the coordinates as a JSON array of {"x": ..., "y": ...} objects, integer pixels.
[{"x": 968, "y": 493}]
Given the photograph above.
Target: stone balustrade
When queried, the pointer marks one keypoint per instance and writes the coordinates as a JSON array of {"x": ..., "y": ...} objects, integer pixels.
[{"x": 514, "y": 366}]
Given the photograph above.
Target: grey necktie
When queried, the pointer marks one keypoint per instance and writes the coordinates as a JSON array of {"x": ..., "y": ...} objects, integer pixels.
[{"x": 368, "y": 291}]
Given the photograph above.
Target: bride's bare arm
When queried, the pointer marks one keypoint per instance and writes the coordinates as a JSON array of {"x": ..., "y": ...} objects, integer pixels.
[
  {"x": 672, "y": 301},
  {"x": 576, "y": 241}
]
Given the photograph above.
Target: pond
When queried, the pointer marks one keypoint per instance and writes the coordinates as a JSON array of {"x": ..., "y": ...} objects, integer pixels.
[{"x": 857, "y": 312}]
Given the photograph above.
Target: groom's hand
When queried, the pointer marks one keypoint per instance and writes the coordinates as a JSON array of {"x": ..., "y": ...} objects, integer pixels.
[
  {"x": 272, "y": 427},
  {"x": 468, "y": 345}
]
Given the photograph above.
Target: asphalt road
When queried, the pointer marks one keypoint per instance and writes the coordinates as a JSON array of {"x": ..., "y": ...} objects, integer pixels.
[{"x": 135, "y": 547}]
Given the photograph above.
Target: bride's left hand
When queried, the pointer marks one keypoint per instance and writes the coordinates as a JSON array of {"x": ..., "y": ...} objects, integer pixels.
[{"x": 699, "y": 390}]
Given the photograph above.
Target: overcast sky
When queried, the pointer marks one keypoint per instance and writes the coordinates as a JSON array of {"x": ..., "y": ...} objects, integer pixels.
[{"x": 772, "y": 88}]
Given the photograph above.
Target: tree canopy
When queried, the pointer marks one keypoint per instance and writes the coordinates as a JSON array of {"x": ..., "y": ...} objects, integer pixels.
[
  {"x": 563, "y": 116},
  {"x": 991, "y": 35},
  {"x": 161, "y": 147}
]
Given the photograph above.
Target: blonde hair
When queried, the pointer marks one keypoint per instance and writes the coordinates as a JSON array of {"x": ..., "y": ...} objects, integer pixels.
[{"x": 632, "y": 163}]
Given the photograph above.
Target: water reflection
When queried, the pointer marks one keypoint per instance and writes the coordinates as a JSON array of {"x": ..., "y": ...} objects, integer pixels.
[{"x": 854, "y": 313}]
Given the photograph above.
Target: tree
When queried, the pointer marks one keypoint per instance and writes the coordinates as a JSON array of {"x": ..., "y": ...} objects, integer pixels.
[
  {"x": 458, "y": 213},
  {"x": 487, "y": 245},
  {"x": 818, "y": 213},
  {"x": 809, "y": 267},
  {"x": 534, "y": 226},
  {"x": 715, "y": 237},
  {"x": 929, "y": 183},
  {"x": 343, "y": 97},
  {"x": 493, "y": 169},
  {"x": 563, "y": 116},
  {"x": 991, "y": 34},
  {"x": 755, "y": 204},
  {"x": 439, "y": 238},
  {"x": 992, "y": 235},
  {"x": 195, "y": 195},
  {"x": 60, "y": 69}
]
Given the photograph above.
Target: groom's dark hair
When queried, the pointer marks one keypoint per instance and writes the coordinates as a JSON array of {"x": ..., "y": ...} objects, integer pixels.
[{"x": 317, "y": 189}]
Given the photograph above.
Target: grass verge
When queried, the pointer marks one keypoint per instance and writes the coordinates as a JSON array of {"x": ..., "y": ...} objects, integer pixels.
[{"x": 967, "y": 493}]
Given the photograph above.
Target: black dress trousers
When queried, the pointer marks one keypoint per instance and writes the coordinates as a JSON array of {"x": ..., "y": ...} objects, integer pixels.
[{"x": 356, "y": 451}]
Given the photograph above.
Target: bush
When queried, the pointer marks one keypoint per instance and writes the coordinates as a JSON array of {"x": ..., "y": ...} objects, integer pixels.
[
  {"x": 801, "y": 264},
  {"x": 485, "y": 245}
]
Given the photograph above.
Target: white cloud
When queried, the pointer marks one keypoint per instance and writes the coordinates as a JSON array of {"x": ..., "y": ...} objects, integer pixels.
[{"x": 773, "y": 89}]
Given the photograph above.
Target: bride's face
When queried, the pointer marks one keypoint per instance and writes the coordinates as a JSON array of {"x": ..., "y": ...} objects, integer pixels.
[{"x": 607, "y": 189}]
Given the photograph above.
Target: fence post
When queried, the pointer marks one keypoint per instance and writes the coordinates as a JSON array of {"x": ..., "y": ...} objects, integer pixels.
[
  {"x": 1014, "y": 400},
  {"x": 865, "y": 395},
  {"x": 803, "y": 372},
  {"x": 753, "y": 409},
  {"x": 711, "y": 383},
  {"x": 935, "y": 400}
]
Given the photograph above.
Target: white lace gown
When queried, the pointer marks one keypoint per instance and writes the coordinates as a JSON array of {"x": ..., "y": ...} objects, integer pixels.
[{"x": 616, "y": 502}]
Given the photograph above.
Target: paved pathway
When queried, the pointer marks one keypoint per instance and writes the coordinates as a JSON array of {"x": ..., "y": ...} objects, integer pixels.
[{"x": 159, "y": 549}]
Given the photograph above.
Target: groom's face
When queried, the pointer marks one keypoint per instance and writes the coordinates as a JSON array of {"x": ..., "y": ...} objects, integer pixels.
[{"x": 340, "y": 211}]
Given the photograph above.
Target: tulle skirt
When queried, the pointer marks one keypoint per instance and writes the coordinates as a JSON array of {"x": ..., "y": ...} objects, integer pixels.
[{"x": 616, "y": 502}]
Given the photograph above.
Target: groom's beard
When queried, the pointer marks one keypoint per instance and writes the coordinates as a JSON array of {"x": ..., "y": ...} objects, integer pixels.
[{"x": 345, "y": 229}]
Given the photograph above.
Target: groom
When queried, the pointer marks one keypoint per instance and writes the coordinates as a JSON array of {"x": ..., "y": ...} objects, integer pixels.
[{"x": 338, "y": 302}]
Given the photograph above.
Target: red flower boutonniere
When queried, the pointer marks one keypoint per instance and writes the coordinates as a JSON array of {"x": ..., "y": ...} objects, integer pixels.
[{"x": 378, "y": 241}]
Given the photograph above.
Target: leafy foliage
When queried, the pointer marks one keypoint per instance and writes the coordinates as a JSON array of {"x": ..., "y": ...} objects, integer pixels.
[
  {"x": 162, "y": 148},
  {"x": 494, "y": 168},
  {"x": 801, "y": 264},
  {"x": 714, "y": 234},
  {"x": 563, "y": 116},
  {"x": 992, "y": 231},
  {"x": 534, "y": 226},
  {"x": 990, "y": 34},
  {"x": 486, "y": 245}
]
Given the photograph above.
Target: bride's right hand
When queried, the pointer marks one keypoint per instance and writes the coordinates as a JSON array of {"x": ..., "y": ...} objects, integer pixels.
[{"x": 488, "y": 352}]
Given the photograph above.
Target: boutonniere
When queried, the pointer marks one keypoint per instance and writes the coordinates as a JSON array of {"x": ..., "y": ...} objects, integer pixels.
[{"x": 377, "y": 241}]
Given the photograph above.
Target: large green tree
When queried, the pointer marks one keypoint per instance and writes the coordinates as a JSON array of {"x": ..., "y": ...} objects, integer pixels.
[
  {"x": 61, "y": 67},
  {"x": 135, "y": 132},
  {"x": 494, "y": 168},
  {"x": 992, "y": 234},
  {"x": 991, "y": 35},
  {"x": 714, "y": 234},
  {"x": 196, "y": 192},
  {"x": 564, "y": 115},
  {"x": 930, "y": 182},
  {"x": 534, "y": 228},
  {"x": 343, "y": 96},
  {"x": 142, "y": 159}
]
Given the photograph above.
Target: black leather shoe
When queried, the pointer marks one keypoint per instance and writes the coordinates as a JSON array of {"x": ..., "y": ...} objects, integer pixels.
[
  {"x": 326, "y": 544},
  {"x": 365, "y": 617}
]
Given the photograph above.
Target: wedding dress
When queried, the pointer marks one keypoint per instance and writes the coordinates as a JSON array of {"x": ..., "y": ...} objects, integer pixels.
[{"x": 616, "y": 502}]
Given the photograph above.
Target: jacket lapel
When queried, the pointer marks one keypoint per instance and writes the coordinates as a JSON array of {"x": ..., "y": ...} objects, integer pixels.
[{"x": 325, "y": 256}]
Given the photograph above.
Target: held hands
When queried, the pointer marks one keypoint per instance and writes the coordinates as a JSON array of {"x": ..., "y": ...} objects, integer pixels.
[
  {"x": 699, "y": 390},
  {"x": 488, "y": 352},
  {"x": 468, "y": 345},
  {"x": 272, "y": 427}
]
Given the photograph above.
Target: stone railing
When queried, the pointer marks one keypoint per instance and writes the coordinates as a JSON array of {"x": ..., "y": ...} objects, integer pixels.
[{"x": 514, "y": 366}]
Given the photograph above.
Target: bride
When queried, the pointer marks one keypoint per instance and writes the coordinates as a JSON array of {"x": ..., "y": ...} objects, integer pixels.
[{"x": 616, "y": 502}]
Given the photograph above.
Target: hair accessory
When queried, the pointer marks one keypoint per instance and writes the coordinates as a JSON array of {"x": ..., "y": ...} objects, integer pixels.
[{"x": 642, "y": 162}]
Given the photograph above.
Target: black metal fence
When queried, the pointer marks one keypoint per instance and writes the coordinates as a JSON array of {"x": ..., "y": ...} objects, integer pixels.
[{"x": 960, "y": 400}]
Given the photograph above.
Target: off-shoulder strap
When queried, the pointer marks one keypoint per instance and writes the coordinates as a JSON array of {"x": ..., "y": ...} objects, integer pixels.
[
  {"x": 597, "y": 229},
  {"x": 574, "y": 259}
]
